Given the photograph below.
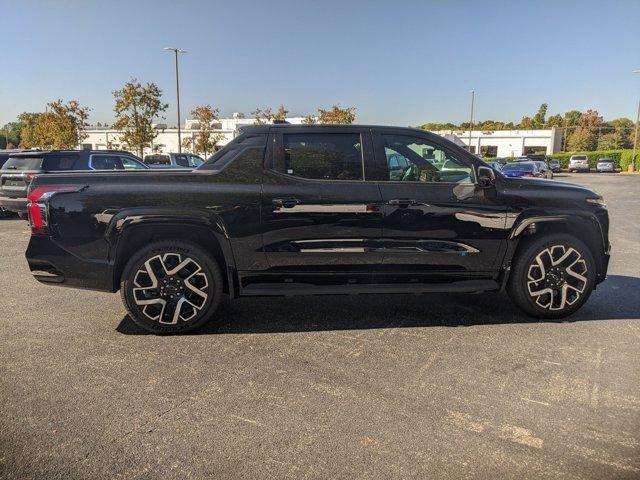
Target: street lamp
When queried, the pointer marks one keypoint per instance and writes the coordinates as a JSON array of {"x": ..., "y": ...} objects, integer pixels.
[
  {"x": 473, "y": 97},
  {"x": 635, "y": 138},
  {"x": 176, "y": 51}
]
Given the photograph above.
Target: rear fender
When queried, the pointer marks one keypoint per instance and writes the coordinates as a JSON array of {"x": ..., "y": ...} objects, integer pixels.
[{"x": 128, "y": 221}]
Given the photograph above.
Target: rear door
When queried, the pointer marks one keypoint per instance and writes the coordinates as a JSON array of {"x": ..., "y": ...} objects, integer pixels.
[
  {"x": 436, "y": 218},
  {"x": 318, "y": 211}
]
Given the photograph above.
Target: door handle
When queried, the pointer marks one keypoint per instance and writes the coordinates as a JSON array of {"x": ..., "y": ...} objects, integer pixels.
[
  {"x": 402, "y": 202},
  {"x": 285, "y": 202}
]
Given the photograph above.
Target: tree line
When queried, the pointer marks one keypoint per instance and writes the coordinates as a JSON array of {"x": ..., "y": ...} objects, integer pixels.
[
  {"x": 63, "y": 125},
  {"x": 583, "y": 131}
]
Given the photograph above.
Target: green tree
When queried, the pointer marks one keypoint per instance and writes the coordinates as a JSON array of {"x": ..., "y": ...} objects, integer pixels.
[
  {"x": 337, "y": 114},
  {"x": 263, "y": 116},
  {"x": 10, "y": 135},
  {"x": 206, "y": 138},
  {"x": 63, "y": 126},
  {"x": 435, "y": 127},
  {"x": 309, "y": 120},
  {"x": 572, "y": 118},
  {"x": 281, "y": 114},
  {"x": 136, "y": 107},
  {"x": 539, "y": 119},
  {"x": 526, "y": 123},
  {"x": 585, "y": 136},
  {"x": 555, "y": 121},
  {"x": 28, "y": 134}
]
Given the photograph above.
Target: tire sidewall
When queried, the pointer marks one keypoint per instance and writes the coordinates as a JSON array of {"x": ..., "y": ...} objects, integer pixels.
[{"x": 206, "y": 262}]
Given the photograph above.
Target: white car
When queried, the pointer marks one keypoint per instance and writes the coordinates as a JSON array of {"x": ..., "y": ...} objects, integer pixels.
[
  {"x": 579, "y": 163},
  {"x": 605, "y": 164}
]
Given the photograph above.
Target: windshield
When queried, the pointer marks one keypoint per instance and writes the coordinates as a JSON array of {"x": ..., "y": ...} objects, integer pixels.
[
  {"x": 23, "y": 163},
  {"x": 579, "y": 157},
  {"x": 526, "y": 167}
]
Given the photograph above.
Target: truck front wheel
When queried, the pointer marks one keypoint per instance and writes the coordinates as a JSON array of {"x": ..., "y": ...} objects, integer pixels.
[
  {"x": 171, "y": 287},
  {"x": 552, "y": 276}
]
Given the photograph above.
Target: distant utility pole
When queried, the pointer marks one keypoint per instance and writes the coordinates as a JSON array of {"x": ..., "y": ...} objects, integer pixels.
[
  {"x": 176, "y": 51},
  {"x": 635, "y": 138},
  {"x": 473, "y": 97}
]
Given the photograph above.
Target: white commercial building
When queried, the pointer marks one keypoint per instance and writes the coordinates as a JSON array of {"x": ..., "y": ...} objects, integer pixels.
[
  {"x": 495, "y": 143},
  {"x": 508, "y": 143},
  {"x": 104, "y": 138}
]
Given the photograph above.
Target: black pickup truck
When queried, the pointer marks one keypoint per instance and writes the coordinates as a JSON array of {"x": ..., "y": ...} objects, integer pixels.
[{"x": 320, "y": 209}]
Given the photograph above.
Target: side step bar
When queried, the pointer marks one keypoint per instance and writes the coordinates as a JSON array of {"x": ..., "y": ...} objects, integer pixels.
[{"x": 293, "y": 289}]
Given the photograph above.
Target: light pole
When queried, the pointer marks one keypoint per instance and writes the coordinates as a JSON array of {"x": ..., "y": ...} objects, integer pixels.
[
  {"x": 473, "y": 97},
  {"x": 635, "y": 138},
  {"x": 176, "y": 51}
]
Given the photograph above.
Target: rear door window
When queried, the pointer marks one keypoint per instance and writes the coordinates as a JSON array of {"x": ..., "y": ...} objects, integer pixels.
[
  {"x": 321, "y": 156},
  {"x": 59, "y": 162}
]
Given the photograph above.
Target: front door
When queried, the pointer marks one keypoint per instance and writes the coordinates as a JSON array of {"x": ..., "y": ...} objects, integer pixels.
[
  {"x": 318, "y": 212},
  {"x": 436, "y": 218}
]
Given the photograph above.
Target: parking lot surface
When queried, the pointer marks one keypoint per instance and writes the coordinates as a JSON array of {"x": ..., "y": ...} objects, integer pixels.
[{"x": 429, "y": 386}]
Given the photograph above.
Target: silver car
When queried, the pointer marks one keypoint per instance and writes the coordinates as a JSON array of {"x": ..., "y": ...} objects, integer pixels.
[
  {"x": 579, "y": 163},
  {"x": 605, "y": 164}
]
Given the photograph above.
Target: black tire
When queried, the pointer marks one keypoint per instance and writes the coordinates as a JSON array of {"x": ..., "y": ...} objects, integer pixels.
[
  {"x": 527, "y": 278},
  {"x": 184, "y": 290},
  {"x": 23, "y": 216}
]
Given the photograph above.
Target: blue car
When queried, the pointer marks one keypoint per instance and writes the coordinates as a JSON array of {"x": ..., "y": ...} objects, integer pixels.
[{"x": 522, "y": 169}]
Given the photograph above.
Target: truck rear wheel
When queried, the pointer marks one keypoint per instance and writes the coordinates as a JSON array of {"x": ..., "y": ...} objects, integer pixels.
[
  {"x": 552, "y": 276},
  {"x": 171, "y": 287}
]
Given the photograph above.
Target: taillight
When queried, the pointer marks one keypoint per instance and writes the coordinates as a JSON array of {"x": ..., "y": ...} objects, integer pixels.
[{"x": 39, "y": 208}]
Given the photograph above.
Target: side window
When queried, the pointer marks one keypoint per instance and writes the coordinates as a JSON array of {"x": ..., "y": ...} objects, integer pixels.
[
  {"x": 54, "y": 163},
  {"x": 129, "y": 163},
  {"x": 106, "y": 162},
  {"x": 413, "y": 159},
  {"x": 182, "y": 160},
  {"x": 321, "y": 156}
]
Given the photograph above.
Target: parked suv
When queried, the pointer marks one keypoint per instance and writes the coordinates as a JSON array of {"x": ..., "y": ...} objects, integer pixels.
[
  {"x": 20, "y": 168},
  {"x": 579, "y": 163},
  {"x": 4, "y": 156},
  {"x": 554, "y": 164},
  {"x": 318, "y": 209},
  {"x": 173, "y": 160},
  {"x": 605, "y": 164}
]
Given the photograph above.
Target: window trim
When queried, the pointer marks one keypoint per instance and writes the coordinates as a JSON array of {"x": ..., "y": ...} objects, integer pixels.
[{"x": 278, "y": 151}]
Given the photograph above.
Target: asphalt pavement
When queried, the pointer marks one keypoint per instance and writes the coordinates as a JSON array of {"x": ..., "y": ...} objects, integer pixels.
[{"x": 408, "y": 386}]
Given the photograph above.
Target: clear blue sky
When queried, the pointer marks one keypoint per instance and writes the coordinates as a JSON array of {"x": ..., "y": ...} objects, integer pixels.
[{"x": 399, "y": 62}]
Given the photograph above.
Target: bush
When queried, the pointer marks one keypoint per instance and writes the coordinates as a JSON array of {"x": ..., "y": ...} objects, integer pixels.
[
  {"x": 625, "y": 159},
  {"x": 621, "y": 158}
]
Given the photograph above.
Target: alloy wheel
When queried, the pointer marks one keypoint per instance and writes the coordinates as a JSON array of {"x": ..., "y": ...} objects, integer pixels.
[
  {"x": 557, "y": 277},
  {"x": 170, "y": 288}
]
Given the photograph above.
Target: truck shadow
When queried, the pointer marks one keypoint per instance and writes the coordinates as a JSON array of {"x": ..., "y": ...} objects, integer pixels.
[{"x": 616, "y": 299}]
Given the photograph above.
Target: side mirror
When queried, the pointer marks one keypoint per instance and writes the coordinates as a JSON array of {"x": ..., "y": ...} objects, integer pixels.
[{"x": 486, "y": 177}]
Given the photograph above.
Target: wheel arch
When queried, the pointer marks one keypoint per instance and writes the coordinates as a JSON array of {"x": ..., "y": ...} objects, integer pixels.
[
  {"x": 584, "y": 227},
  {"x": 129, "y": 232}
]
